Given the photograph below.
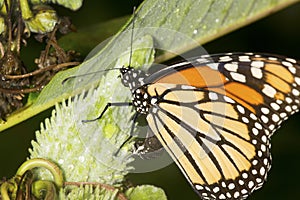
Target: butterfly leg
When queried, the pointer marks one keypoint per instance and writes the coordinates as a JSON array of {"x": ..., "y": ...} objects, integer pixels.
[
  {"x": 108, "y": 105},
  {"x": 131, "y": 132},
  {"x": 105, "y": 109}
]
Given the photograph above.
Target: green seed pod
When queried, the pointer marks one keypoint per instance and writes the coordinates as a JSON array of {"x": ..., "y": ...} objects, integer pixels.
[{"x": 43, "y": 21}]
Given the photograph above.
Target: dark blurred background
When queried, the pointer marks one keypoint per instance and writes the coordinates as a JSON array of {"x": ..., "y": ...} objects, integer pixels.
[{"x": 278, "y": 33}]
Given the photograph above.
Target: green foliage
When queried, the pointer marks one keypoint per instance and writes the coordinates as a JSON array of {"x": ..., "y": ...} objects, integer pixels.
[
  {"x": 71, "y": 4},
  {"x": 146, "y": 192},
  {"x": 86, "y": 151},
  {"x": 88, "y": 192},
  {"x": 90, "y": 152},
  {"x": 202, "y": 21}
]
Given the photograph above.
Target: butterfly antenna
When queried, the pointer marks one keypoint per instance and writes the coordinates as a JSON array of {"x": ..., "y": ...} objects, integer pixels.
[
  {"x": 131, "y": 37},
  {"x": 90, "y": 73}
]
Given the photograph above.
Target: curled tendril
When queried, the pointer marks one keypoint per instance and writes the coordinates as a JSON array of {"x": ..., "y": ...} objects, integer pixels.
[{"x": 23, "y": 185}]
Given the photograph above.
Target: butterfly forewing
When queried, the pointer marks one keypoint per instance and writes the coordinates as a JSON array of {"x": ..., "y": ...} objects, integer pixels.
[{"x": 266, "y": 84}]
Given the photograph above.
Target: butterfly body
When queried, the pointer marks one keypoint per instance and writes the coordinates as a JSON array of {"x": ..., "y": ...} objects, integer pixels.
[{"x": 215, "y": 115}]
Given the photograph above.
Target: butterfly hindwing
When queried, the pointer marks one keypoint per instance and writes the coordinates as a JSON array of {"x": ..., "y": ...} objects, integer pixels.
[{"x": 205, "y": 134}]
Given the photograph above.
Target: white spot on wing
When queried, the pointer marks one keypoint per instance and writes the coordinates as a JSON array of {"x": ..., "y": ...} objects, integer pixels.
[
  {"x": 231, "y": 186},
  {"x": 288, "y": 100},
  {"x": 244, "y": 191},
  {"x": 245, "y": 175},
  {"x": 256, "y": 72},
  {"x": 253, "y": 116},
  {"x": 269, "y": 91},
  {"x": 216, "y": 189},
  {"x": 283, "y": 115},
  {"x": 265, "y": 110},
  {"x": 288, "y": 108},
  {"x": 262, "y": 171},
  {"x": 212, "y": 96},
  {"x": 251, "y": 184},
  {"x": 199, "y": 187},
  {"x": 240, "y": 109},
  {"x": 291, "y": 60},
  {"x": 264, "y": 138},
  {"x": 223, "y": 184},
  {"x": 275, "y": 118},
  {"x": 238, "y": 77},
  {"x": 292, "y": 69},
  {"x": 258, "y": 64},
  {"x": 272, "y": 126},
  {"x": 295, "y": 92},
  {"x": 241, "y": 182},
  {"x": 225, "y": 59},
  {"x": 279, "y": 101},
  {"x": 244, "y": 59},
  {"x": 228, "y": 194},
  {"x": 231, "y": 67},
  {"x": 264, "y": 119},
  {"x": 153, "y": 101},
  {"x": 255, "y": 131},
  {"x": 272, "y": 58},
  {"x": 258, "y": 125},
  {"x": 254, "y": 162},
  {"x": 228, "y": 99},
  {"x": 245, "y": 120},
  {"x": 297, "y": 80},
  {"x": 287, "y": 64}
]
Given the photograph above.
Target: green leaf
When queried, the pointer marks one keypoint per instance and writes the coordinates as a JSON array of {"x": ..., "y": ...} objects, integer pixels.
[
  {"x": 176, "y": 27},
  {"x": 71, "y": 4},
  {"x": 91, "y": 36},
  {"x": 146, "y": 192}
]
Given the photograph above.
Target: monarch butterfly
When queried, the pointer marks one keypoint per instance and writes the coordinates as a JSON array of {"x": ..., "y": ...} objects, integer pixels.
[{"x": 215, "y": 115}]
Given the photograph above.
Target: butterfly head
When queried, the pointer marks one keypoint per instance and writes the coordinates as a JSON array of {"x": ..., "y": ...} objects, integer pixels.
[{"x": 132, "y": 78}]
